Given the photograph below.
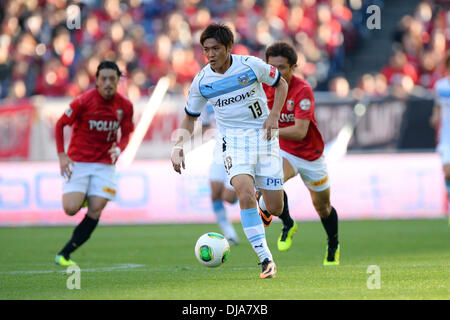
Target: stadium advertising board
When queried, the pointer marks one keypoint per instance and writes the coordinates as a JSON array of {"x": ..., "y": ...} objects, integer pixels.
[{"x": 390, "y": 186}]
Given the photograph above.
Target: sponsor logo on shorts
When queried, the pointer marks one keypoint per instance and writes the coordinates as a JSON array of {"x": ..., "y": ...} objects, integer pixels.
[
  {"x": 274, "y": 182},
  {"x": 320, "y": 182},
  {"x": 109, "y": 190}
]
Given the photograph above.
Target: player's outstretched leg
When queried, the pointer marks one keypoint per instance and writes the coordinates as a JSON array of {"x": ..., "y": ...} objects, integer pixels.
[
  {"x": 329, "y": 219},
  {"x": 83, "y": 231},
  {"x": 275, "y": 200},
  {"x": 252, "y": 224},
  {"x": 72, "y": 203},
  {"x": 254, "y": 230},
  {"x": 79, "y": 236},
  {"x": 289, "y": 227}
]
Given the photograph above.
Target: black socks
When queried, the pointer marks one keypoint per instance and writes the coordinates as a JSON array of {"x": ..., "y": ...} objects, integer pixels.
[
  {"x": 331, "y": 227},
  {"x": 330, "y": 223},
  {"x": 80, "y": 235},
  {"x": 285, "y": 216}
]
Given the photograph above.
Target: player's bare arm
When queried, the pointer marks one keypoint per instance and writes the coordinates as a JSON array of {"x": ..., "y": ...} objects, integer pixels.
[
  {"x": 297, "y": 131},
  {"x": 184, "y": 131},
  {"x": 271, "y": 122}
]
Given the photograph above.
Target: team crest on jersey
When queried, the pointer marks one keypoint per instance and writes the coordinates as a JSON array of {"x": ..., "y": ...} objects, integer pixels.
[
  {"x": 289, "y": 105},
  {"x": 243, "y": 80},
  {"x": 305, "y": 104},
  {"x": 119, "y": 114}
]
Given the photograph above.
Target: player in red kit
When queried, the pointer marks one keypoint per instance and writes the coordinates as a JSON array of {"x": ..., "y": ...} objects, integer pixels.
[
  {"x": 302, "y": 146},
  {"x": 96, "y": 117}
]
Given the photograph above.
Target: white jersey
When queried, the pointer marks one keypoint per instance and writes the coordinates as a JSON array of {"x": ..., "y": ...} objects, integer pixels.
[
  {"x": 237, "y": 96},
  {"x": 442, "y": 91}
]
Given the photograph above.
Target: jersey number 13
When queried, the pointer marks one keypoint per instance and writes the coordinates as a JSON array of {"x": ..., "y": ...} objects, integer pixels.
[{"x": 256, "y": 110}]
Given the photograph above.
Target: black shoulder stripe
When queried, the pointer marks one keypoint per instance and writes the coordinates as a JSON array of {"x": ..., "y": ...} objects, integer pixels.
[
  {"x": 191, "y": 114},
  {"x": 278, "y": 79}
]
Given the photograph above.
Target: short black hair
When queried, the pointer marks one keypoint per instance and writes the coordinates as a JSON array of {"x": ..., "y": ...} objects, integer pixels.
[
  {"x": 220, "y": 32},
  {"x": 282, "y": 49},
  {"x": 106, "y": 64}
]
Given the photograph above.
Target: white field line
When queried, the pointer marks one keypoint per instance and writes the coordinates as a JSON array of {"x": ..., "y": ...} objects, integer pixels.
[
  {"x": 120, "y": 267},
  {"x": 138, "y": 267}
]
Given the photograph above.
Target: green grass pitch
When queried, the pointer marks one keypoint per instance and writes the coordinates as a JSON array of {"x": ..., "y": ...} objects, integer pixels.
[{"x": 157, "y": 262}]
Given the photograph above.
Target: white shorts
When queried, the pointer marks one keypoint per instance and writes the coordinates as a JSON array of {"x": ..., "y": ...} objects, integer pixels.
[
  {"x": 217, "y": 170},
  {"x": 314, "y": 173},
  {"x": 92, "y": 179},
  {"x": 246, "y": 152}
]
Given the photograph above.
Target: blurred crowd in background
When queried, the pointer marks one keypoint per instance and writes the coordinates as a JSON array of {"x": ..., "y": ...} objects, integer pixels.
[
  {"x": 53, "y": 47},
  {"x": 420, "y": 44}
]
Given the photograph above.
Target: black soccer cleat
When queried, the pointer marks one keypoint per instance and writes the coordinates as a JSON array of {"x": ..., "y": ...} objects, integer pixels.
[{"x": 332, "y": 255}]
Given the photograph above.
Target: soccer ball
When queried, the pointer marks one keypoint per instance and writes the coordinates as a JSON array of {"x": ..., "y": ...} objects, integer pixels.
[{"x": 212, "y": 249}]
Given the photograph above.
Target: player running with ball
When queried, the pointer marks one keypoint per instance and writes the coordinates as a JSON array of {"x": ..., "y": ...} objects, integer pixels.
[
  {"x": 302, "y": 147},
  {"x": 96, "y": 117},
  {"x": 251, "y": 153}
]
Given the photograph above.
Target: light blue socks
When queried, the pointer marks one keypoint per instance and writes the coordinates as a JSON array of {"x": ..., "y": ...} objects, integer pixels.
[{"x": 254, "y": 230}]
